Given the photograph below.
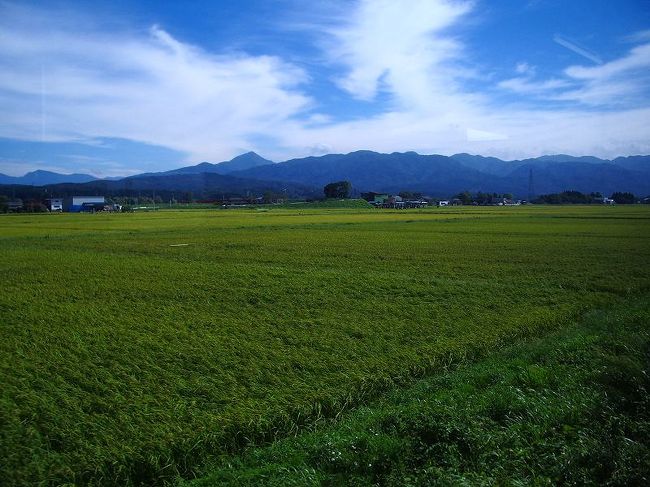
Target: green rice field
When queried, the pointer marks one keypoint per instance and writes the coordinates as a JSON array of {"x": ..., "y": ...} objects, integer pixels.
[{"x": 145, "y": 348}]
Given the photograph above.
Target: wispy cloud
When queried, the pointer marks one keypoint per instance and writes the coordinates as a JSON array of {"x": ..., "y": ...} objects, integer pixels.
[
  {"x": 638, "y": 37},
  {"x": 416, "y": 64},
  {"x": 528, "y": 86},
  {"x": 573, "y": 46},
  {"x": 621, "y": 82},
  {"x": 67, "y": 78},
  {"x": 525, "y": 68},
  {"x": 400, "y": 47},
  {"x": 636, "y": 60},
  {"x": 60, "y": 83}
]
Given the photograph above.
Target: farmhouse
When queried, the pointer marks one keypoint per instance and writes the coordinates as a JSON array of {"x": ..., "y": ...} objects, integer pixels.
[
  {"x": 372, "y": 197},
  {"x": 384, "y": 200},
  {"x": 76, "y": 203},
  {"x": 394, "y": 202},
  {"x": 54, "y": 204}
]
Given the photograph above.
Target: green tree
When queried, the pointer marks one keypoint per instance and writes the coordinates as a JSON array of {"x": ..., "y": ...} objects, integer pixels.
[
  {"x": 482, "y": 198},
  {"x": 623, "y": 198},
  {"x": 410, "y": 195},
  {"x": 465, "y": 197},
  {"x": 34, "y": 206},
  {"x": 338, "y": 189},
  {"x": 267, "y": 197}
]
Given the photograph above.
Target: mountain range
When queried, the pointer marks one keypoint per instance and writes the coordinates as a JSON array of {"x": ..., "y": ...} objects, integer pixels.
[
  {"x": 42, "y": 178},
  {"x": 434, "y": 175}
]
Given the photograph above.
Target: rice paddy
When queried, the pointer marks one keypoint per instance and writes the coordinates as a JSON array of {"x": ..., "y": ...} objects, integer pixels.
[{"x": 141, "y": 348}]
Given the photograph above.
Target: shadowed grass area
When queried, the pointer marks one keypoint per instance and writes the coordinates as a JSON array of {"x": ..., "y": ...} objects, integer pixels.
[
  {"x": 570, "y": 409},
  {"x": 125, "y": 358}
]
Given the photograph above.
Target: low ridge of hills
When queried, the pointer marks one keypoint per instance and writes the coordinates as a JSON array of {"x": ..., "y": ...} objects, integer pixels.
[
  {"x": 42, "y": 178},
  {"x": 435, "y": 175}
]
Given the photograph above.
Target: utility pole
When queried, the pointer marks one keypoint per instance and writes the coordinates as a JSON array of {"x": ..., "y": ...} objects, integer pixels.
[{"x": 531, "y": 187}]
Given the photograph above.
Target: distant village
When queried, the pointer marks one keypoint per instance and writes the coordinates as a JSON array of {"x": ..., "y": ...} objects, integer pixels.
[
  {"x": 403, "y": 200},
  {"x": 74, "y": 204},
  {"x": 415, "y": 200}
]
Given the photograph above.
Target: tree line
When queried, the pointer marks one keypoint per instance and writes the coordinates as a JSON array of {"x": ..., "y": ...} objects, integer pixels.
[{"x": 578, "y": 198}]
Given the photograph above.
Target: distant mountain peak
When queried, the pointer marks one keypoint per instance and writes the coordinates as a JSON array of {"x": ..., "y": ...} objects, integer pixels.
[
  {"x": 244, "y": 161},
  {"x": 250, "y": 156}
]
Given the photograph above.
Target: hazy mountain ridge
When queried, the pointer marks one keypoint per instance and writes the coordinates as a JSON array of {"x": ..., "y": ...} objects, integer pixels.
[
  {"x": 442, "y": 175},
  {"x": 368, "y": 170},
  {"x": 435, "y": 175},
  {"x": 207, "y": 185},
  {"x": 43, "y": 178},
  {"x": 201, "y": 186}
]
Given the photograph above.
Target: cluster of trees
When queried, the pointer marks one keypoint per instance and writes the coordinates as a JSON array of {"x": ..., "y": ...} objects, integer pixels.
[
  {"x": 273, "y": 197},
  {"x": 576, "y": 197},
  {"x": 409, "y": 195},
  {"x": 29, "y": 206},
  {"x": 338, "y": 189},
  {"x": 132, "y": 201},
  {"x": 481, "y": 198},
  {"x": 624, "y": 198}
]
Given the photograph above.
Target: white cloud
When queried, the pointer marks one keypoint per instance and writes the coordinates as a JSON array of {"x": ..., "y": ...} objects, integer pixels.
[
  {"x": 57, "y": 83},
  {"x": 638, "y": 59},
  {"x": 638, "y": 37},
  {"x": 525, "y": 85},
  {"x": 399, "y": 46},
  {"x": 621, "y": 82},
  {"x": 508, "y": 133},
  {"x": 525, "y": 68},
  {"x": 474, "y": 135}
]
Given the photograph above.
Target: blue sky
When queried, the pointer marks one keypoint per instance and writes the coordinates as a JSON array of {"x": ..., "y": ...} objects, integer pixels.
[{"x": 120, "y": 87}]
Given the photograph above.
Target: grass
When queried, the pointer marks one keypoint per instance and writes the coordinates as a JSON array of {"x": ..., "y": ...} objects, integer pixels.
[
  {"x": 570, "y": 409},
  {"x": 329, "y": 203},
  {"x": 124, "y": 359}
]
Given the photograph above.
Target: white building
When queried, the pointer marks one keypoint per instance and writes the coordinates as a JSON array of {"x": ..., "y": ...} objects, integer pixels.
[
  {"x": 55, "y": 204},
  {"x": 75, "y": 203}
]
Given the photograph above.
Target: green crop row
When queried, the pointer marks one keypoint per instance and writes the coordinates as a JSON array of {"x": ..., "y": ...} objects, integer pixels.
[{"x": 570, "y": 409}]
